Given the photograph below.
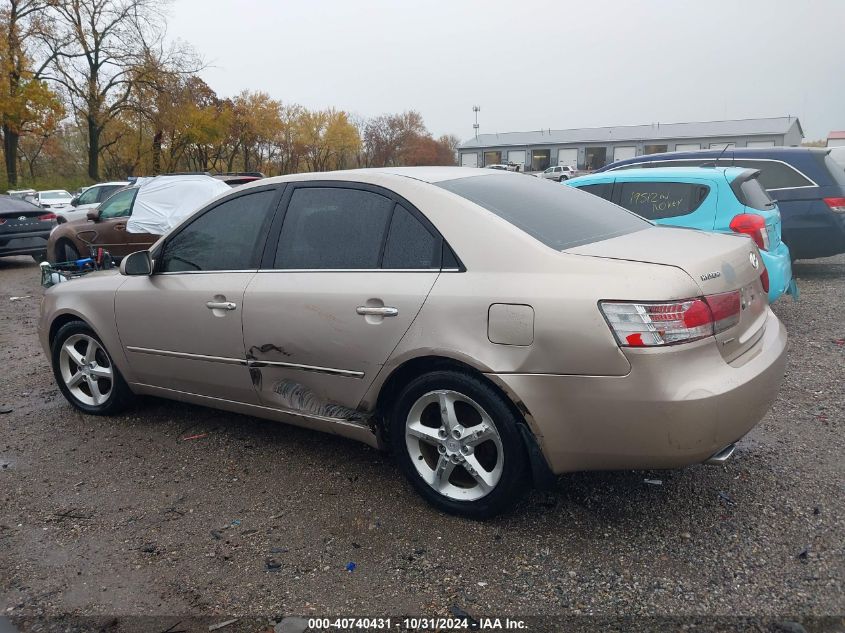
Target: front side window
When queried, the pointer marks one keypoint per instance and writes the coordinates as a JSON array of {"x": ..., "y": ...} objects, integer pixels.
[
  {"x": 119, "y": 205},
  {"x": 661, "y": 200},
  {"x": 227, "y": 237},
  {"x": 89, "y": 196},
  {"x": 333, "y": 228},
  {"x": 554, "y": 215},
  {"x": 104, "y": 192}
]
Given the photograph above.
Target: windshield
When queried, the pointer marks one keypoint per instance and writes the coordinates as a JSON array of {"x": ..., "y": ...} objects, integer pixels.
[
  {"x": 54, "y": 195},
  {"x": 556, "y": 215}
]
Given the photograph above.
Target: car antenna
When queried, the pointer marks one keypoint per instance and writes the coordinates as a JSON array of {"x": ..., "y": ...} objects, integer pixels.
[{"x": 724, "y": 149}]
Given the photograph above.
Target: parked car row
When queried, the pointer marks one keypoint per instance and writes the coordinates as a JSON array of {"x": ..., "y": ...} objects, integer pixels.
[
  {"x": 723, "y": 199},
  {"x": 491, "y": 329},
  {"x": 807, "y": 184}
]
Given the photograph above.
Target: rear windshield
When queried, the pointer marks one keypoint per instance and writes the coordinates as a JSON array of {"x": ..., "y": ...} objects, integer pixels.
[
  {"x": 558, "y": 216},
  {"x": 752, "y": 194},
  {"x": 837, "y": 173}
]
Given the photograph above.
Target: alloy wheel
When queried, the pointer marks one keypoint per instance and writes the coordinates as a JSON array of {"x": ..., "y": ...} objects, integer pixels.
[
  {"x": 454, "y": 445},
  {"x": 86, "y": 369}
]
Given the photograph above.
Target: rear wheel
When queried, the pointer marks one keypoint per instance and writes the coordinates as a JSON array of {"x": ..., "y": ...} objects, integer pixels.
[
  {"x": 457, "y": 441},
  {"x": 85, "y": 372}
]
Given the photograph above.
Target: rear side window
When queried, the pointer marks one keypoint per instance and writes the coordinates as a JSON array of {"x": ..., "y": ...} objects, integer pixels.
[
  {"x": 601, "y": 189},
  {"x": 552, "y": 214},
  {"x": 774, "y": 174},
  {"x": 228, "y": 237},
  {"x": 661, "y": 200},
  {"x": 333, "y": 228},
  {"x": 410, "y": 245}
]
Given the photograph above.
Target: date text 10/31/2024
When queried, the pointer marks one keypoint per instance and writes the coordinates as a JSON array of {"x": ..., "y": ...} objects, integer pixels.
[{"x": 418, "y": 623}]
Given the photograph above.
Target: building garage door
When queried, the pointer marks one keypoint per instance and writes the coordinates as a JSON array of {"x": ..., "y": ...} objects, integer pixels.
[
  {"x": 687, "y": 147},
  {"x": 517, "y": 157},
  {"x": 568, "y": 157},
  {"x": 760, "y": 144},
  {"x": 469, "y": 160},
  {"x": 621, "y": 153}
]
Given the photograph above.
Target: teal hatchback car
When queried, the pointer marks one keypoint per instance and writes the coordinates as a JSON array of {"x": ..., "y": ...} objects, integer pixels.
[{"x": 727, "y": 200}]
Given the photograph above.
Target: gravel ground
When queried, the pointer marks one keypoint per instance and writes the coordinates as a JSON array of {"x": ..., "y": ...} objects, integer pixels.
[{"x": 125, "y": 516}]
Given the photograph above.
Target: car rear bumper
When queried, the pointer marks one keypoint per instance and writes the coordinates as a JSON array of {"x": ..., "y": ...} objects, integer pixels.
[
  {"x": 779, "y": 266},
  {"x": 29, "y": 243},
  {"x": 676, "y": 407}
]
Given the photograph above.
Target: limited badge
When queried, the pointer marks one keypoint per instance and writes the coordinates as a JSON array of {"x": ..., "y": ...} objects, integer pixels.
[{"x": 755, "y": 261}]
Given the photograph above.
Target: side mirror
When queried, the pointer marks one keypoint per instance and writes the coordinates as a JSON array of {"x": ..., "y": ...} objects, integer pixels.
[
  {"x": 137, "y": 264},
  {"x": 75, "y": 201},
  {"x": 93, "y": 214}
]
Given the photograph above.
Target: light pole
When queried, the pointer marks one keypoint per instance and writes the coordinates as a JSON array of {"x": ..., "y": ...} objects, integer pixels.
[{"x": 476, "y": 109}]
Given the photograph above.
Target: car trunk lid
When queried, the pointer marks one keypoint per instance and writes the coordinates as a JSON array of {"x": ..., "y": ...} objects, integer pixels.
[
  {"x": 25, "y": 221},
  {"x": 717, "y": 263}
]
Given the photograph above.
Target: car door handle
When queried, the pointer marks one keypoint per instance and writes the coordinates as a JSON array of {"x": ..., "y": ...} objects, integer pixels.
[
  {"x": 120, "y": 227},
  {"x": 384, "y": 311},
  {"x": 221, "y": 305}
]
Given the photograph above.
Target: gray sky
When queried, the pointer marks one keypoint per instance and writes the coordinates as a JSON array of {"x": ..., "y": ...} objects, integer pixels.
[{"x": 531, "y": 65}]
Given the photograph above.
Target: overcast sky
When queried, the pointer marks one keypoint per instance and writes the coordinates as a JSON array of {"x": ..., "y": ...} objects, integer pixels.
[{"x": 531, "y": 65}]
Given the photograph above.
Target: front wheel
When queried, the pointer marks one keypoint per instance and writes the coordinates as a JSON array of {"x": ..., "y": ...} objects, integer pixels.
[
  {"x": 457, "y": 441},
  {"x": 85, "y": 372}
]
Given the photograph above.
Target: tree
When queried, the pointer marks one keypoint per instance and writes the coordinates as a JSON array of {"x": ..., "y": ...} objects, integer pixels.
[
  {"x": 23, "y": 95},
  {"x": 95, "y": 47},
  {"x": 329, "y": 139}
]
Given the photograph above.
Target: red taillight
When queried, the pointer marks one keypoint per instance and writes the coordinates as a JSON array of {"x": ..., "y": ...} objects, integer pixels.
[
  {"x": 836, "y": 204},
  {"x": 754, "y": 226},
  {"x": 47, "y": 216},
  {"x": 2, "y": 220},
  {"x": 654, "y": 324}
]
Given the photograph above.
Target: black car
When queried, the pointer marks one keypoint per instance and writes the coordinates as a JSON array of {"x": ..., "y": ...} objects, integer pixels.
[
  {"x": 24, "y": 228},
  {"x": 807, "y": 183}
]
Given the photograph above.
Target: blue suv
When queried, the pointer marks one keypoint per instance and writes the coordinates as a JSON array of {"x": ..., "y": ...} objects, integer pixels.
[{"x": 808, "y": 185}]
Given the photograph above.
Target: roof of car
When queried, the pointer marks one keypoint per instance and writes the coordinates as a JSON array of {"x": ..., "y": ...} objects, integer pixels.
[
  {"x": 122, "y": 183},
  {"x": 11, "y": 203},
  {"x": 424, "y": 174},
  {"x": 730, "y": 173}
]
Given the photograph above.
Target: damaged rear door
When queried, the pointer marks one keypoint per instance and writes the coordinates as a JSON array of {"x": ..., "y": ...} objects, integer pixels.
[{"x": 346, "y": 270}]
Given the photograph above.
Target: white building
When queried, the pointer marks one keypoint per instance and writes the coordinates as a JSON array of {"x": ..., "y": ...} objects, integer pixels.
[{"x": 591, "y": 148}]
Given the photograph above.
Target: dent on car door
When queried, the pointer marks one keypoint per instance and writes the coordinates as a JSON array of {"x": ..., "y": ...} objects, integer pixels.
[
  {"x": 341, "y": 285},
  {"x": 182, "y": 326}
]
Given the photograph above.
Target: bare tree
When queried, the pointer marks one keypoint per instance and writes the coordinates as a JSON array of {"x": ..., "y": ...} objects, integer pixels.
[{"x": 96, "y": 48}]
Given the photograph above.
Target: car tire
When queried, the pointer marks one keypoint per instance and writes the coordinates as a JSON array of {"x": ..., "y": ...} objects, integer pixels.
[
  {"x": 66, "y": 252},
  {"x": 85, "y": 372},
  {"x": 457, "y": 462}
]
